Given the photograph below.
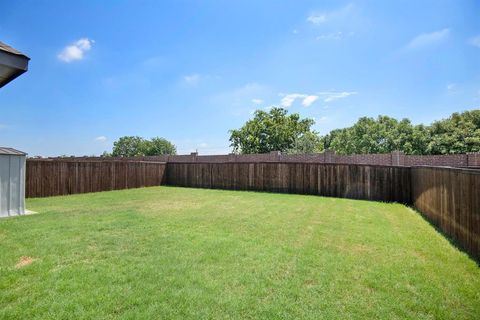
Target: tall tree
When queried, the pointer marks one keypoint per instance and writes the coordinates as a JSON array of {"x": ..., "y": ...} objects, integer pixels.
[
  {"x": 309, "y": 142},
  {"x": 157, "y": 146},
  {"x": 460, "y": 133},
  {"x": 131, "y": 146},
  {"x": 381, "y": 135},
  {"x": 269, "y": 131}
]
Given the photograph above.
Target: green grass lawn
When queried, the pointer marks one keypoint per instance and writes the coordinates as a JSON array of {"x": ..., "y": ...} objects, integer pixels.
[{"x": 167, "y": 252}]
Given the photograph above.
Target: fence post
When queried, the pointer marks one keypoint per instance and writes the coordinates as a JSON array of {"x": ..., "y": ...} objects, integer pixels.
[
  {"x": 473, "y": 159},
  {"x": 398, "y": 158},
  {"x": 330, "y": 156},
  {"x": 193, "y": 156},
  {"x": 275, "y": 155}
]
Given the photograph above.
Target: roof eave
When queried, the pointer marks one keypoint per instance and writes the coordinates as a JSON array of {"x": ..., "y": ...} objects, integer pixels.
[{"x": 11, "y": 66}]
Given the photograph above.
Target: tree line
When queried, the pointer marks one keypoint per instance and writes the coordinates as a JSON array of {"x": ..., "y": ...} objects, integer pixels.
[
  {"x": 132, "y": 146},
  {"x": 276, "y": 130}
]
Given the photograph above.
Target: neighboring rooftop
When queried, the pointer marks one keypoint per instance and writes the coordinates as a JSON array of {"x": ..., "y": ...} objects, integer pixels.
[
  {"x": 12, "y": 63},
  {"x": 11, "y": 151}
]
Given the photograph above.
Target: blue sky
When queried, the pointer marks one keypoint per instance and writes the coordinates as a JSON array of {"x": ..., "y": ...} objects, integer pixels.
[{"x": 191, "y": 70}]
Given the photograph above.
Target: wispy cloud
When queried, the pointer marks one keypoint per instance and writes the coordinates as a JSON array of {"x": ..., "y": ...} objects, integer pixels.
[
  {"x": 321, "y": 119},
  {"x": 101, "y": 139},
  {"x": 240, "y": 99},
  {"x": 335, "y": 35},
  {"x": 307, "y": 102},
  {"x": 289, "y": 99},
  {"x": 257, "y": 101},
  {"x": 428, "y": 39},
  {"x": 75, "y": 51},
  {"x": 451, "y": 87},
  {"x": 308, "y": 99},
  {"x": 475, "y": 41},
  {"x": 317, "y": 18},
  {"x": 335, "y": 16},
  {"x": 329, "y": 96},
  {"x": 195, "y": 79},
  {"x": 339, "y": 23},
  {"x": 192, "y": 79}
]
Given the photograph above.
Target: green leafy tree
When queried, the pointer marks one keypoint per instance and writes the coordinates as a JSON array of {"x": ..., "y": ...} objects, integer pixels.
[
  {"x": 420, "y": 139},
  {"x": 309, "y": 142},
  {"x": 460, "y": 133},
  {"x": 381, "y": 135},
  {"x": 269, "y": 131},
  {"x": 131, "y": 146},
  {"x": 157, "y": 146}
]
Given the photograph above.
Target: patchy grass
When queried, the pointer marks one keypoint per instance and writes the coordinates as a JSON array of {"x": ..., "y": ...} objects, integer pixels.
[{"x": 167, "y": 252}]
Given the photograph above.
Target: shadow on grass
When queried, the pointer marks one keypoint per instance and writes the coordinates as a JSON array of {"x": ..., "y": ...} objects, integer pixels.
[{"x": 452, "y": 241}]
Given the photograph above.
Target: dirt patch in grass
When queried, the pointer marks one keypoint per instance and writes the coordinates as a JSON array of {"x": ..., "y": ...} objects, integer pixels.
[{"x": 24, "y": 261}]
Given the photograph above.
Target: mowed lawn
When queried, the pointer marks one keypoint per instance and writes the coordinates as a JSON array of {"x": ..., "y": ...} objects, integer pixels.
[{"x": 177, "y": 253}]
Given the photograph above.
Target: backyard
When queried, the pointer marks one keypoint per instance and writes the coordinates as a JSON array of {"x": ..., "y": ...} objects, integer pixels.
[{"x": 168, "y": 252}]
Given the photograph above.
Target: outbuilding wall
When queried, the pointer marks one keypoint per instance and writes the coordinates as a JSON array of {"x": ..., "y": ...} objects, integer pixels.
[{"x": 12, "y": 185}]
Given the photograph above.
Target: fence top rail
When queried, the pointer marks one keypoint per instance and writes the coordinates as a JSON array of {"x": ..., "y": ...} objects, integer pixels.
[
  {"x": 95, "y": 161},
  {"x": 287, "y": 162},
  {"x": 459, "y": 169}
]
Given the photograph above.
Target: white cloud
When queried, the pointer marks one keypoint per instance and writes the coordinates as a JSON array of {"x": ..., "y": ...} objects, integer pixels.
[
  {"x": 317, "y": 18},
  {"x": 308, "y": 99},
  {"x": 192, "y": 79},
  {"x": 101, "y": 139},
  {"x": 329, "y": 96},
  {"x": 75, "y": 51},
  {"x": 257, "y": 101},
  {"x": 289, "y": 99},
  {"x": 307, "y": 102},
  {"x": 203, "y": 145},
  {"x": 475, "y": 41},
  {"x": 428, "y": 39}
]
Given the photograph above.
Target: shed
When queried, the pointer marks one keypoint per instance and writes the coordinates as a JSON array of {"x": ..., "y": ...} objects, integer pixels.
[{"x": 12, "y": 182}]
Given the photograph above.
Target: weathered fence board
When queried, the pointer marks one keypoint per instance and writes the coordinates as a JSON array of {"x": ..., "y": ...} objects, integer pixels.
[
  {"x": 53, "y": 178},
  {"x": 450, "y": 199},
  {"x": 335, "y": 180}
]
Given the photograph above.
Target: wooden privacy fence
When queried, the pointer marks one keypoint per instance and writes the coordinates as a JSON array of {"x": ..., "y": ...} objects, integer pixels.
[
  {"x": 46, "y": 178},
  {"x": 334, "y": 180},
  {"x": 450, "y": 199}
]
